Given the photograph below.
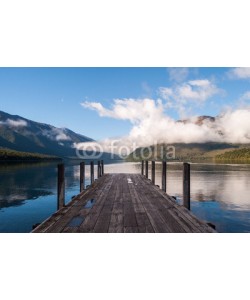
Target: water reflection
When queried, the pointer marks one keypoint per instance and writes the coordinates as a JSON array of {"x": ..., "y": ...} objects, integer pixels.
[
  {"x": 220, "y": 193},
  {"x": 21, "y": 182}
]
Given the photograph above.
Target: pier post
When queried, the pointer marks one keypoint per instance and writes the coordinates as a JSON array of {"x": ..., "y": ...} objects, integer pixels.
[
  {"x": 153, "y": 172},
  {"x": 99, "y": 169},
  {"x": 146, "y": 168},
  {"x": 60, "y": 186},
  {"x": 142, "y": 167},
  {"x": 82, "y": 176},
  {"x": 164, "y": 176},
  {"x": 186, "y": 185},
  {"x": 102, "y": 167},
  {"x": 92, "y": 172}
]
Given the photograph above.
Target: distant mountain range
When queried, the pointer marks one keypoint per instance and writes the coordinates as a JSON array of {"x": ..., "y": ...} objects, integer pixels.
[
  {"x": 199, "y": 120},
  {"x": 20, "y": 134},
  {"x": 198, "y": 151}
]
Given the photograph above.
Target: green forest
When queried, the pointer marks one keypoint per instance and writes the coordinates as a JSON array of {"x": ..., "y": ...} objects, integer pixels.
[
  {"x": 11, "y": 155},
  {"x": 239, "y": 154}
]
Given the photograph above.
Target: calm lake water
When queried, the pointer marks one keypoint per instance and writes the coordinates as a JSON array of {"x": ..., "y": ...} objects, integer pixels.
[{"x": 220, "y": 193}]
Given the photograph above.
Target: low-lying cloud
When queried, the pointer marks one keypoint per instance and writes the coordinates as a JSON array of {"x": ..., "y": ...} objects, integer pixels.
[
  {"x": 14, "y": 123},
  {"x": 56, "y": 134},
  {"x": 151, "y": 124}
]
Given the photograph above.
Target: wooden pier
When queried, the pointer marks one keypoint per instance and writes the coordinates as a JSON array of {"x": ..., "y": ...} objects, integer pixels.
[{"x": 123, "y": 203}]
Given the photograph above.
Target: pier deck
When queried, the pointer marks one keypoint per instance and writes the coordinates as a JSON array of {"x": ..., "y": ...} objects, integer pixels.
[{"x": 118, "y": 203}]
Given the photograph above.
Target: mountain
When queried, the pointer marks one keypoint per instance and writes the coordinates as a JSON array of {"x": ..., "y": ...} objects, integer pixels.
[
  {"x": 238, "y": 155},
  {"x": 20, "y": 134},
  {"x": 199, "y": 120},
  {"x": 195, "y": 151},
  {"x": 191, "y": 151}
]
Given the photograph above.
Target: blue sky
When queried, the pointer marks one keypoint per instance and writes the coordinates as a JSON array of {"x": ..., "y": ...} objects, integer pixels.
[{"x": 54, "y": 95}]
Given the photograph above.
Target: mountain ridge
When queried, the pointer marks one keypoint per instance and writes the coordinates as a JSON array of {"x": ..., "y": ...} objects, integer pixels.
[{"x": 21, "y": 134}]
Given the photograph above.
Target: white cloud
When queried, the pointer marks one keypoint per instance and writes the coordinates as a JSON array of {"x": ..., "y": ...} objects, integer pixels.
[
  {"x": 151, "y": 124},
  {"x": 56, "y": 134},
  {"x": 14, "y": 123},
  {"x": 200, "y": 82},
  {"x": 128, "y": 109},
  {"x": 235, "y": 125},
  {"x": 245, "y": 96},
  {"x": 244, "y": 100},
  {"x": 178, "y": 74},
  {"x": 239, "y": 73},
  {"x": 183, "y": 96},
  {"x": 166, "y": 93},
  {"x": 61, "y": 136}
]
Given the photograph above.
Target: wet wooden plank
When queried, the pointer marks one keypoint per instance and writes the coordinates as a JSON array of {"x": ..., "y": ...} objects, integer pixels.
[
  {"x": 57, "y": 221},
  {"x": 116, "y": 223},
  {"x": 185, "y": 222},
  {"x": 144, "y": 225},
  {"x": 91, "y": 219},
  {"x": 151, "y": 206},
  {"x": 104, "y": 219},
  {"x": 123, "y": 203},
  {"x": 131, "y": 230}
]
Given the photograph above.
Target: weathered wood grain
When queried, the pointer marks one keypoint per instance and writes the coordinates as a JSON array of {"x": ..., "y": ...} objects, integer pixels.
[{"x": 123, "y": 203}]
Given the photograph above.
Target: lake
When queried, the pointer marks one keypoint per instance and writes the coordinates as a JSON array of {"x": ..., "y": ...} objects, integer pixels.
[{"x": 220, "y": 192}]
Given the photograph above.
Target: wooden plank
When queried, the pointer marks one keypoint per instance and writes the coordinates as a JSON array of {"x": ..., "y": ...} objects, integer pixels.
[
  {"x": 117, "y": 217},
  {"x": 175, "y": 224},
  {"x": 127, "y": 203},
  {"x": 144, "y": 224},
  {"x": 197, "y": 225},
  {"x": 116, "y": 223},
  {"x": 170, "y": 202},
  {"x": 138, "y": 207},
  {"x": 150, "y": 207},
  {"x": 102, "y": 210},
  {"x": 131, "y": 230},
  {"x": 129, "y": 209},
  {"x": 129, "y": 215},
  {"x": 164, "y": 208},
  {"x": 79, "y": 201},
  {"x": 102, "y": 224}
]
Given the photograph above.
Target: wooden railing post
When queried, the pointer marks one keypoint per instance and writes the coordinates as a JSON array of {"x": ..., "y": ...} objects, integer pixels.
[
  {"x": 153, "y": 172},
  {"x": 186, "y": 185},
  {"x": 164, "y": 176},
  {"x": 146, "y": 169},
  {"x": 92, "y": 172},
  {"x": 142, "y": 167},
  {"x": 82, "y": 176},
  {"x": 60, "y": 186},
  {"x": 102, "y": 167},
  {"x": 99, "y": 172}
]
